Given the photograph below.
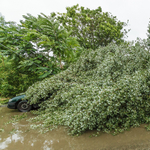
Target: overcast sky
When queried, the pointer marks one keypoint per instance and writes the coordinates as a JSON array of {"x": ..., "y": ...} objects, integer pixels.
[{"x": 136, "y": 11}]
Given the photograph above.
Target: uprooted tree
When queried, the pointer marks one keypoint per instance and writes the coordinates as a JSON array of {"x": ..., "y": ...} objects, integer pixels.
[{"x": 106, "y": 89}]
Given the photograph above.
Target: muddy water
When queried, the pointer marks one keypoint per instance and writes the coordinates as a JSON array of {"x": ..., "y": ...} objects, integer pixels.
[{"x": 18, "y": 136}]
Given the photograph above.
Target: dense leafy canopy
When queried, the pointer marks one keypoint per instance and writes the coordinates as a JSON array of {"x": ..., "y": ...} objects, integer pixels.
[
  {"x": 13, "y": 49},
  {"x": 148, "y": 34},
  {"x": 93, "y": 28},
  {"x": 49, "y": 36},
  {"x": 107, "y": 89},
  {"x": 14, "y": 80},
  {"x": 27, "y": 47}
]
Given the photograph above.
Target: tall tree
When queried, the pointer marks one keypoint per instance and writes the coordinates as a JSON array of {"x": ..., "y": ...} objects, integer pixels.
[
  {"x": 93, "y": 28},
  {"x": 50, "y": 36},
  {"x": 13, "y": 50},
  {"x": 27, "y": 46}
]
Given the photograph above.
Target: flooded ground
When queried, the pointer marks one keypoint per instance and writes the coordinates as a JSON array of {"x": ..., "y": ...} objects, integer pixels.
[{"x": 18, "y": 136}]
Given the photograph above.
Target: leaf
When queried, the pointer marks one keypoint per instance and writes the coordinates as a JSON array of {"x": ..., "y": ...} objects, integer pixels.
[{"x": 45, "y": 74}]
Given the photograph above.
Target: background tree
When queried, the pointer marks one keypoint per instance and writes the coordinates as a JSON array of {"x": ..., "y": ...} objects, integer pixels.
[
  {"x": 148, "y": 34},
  {"x": 27, "y": 46},
  {"x": 13, "y": 50},
  {"x": 50, "y": 37},
  {"x": 93, "y": 28}
]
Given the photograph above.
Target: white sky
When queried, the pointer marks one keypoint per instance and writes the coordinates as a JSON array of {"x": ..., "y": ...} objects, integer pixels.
[{"x": 136, "y": 11}]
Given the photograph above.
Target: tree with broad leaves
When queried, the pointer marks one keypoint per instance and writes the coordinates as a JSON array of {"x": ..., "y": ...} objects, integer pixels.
[
  {"x": 27, "y": 47},
  {"x": 93, "y": 28}
]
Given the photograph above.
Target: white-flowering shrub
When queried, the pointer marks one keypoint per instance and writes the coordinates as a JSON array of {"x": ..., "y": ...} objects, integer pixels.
[{"x": 107, "y": 89}]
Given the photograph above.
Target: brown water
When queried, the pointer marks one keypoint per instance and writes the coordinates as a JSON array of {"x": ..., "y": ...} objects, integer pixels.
[{"x": 17, "y": 136}]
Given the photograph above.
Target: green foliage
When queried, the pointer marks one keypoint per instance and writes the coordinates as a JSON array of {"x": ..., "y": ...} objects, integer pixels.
[
  {"x": 14, "y": 80},
  {"x": 148, "y": 34},
  {"x": 17, "y": 118},
  {"x": 106, "y": 89},
  {"x": 13, "y": 50},
  {"x": 42, "y": 46},
  {"x": 51, "y": 37},
  {"x": 25, "y": 52},
  {"x": 93, "y": 28},
  {"x": 3, "y": 102}
]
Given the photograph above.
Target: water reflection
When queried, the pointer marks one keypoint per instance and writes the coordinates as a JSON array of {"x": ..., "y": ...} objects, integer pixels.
[
  {"x": 12, "y": 138},
  {"x": 18, "y": 136}
]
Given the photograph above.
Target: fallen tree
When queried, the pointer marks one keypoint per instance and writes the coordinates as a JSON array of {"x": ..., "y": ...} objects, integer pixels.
[{"x": 107, "y": 89}]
